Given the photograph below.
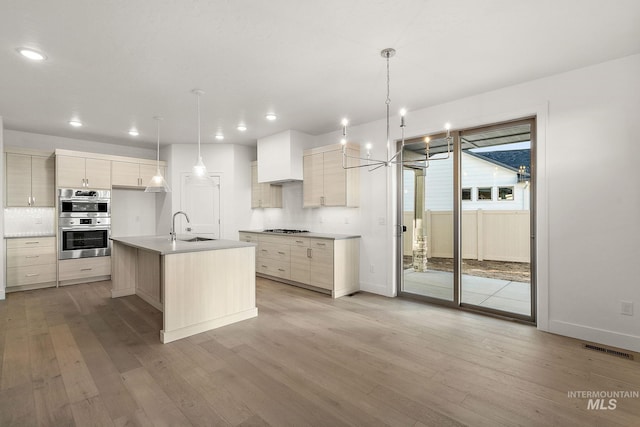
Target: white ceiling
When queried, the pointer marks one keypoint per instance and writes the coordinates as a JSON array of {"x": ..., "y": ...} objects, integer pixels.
[{"x": 115, "y": 64}]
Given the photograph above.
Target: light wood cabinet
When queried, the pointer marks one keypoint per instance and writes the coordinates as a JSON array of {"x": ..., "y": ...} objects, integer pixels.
[
  {"x": 30, "y": 180},
  {"x": 31, "y": 263},
  {"x": 264, "y": 195},
  {"x": 326, "y": 265},
  {"x": 326, "y": 182},
  {"x": 84, "y": 270},
  {"x": 132, "y": 175},
  {"x": 76, "y": 172}
]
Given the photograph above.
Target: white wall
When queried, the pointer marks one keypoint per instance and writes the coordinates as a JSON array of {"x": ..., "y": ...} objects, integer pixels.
[
  {"x": 581, "y": 114},
  {"x": 233, "y": 164},
  {"x": 2, "y": 246},
  {"x": 36, "y": 141},
  {"x": 133, "y": 213}
]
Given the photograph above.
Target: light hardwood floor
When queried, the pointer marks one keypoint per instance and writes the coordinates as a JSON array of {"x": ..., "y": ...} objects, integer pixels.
[{"x": 74, "y": 356}]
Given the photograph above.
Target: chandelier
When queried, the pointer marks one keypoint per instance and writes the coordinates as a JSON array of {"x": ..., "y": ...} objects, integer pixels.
[{"x": 397, "y": 158}]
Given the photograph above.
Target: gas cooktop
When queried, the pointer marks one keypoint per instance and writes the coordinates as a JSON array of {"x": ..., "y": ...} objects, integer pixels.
[{"x": 284, "y": 231}]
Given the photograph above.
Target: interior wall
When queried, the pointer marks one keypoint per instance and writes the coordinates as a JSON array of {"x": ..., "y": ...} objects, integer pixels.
[
  {"x": 133, "y": 213},
  {"x": 3, "y": 245},
  {"x": 232, "y": 163},
  {"x": 587, "y": 118},
  {"x": 36, "y": 141}
]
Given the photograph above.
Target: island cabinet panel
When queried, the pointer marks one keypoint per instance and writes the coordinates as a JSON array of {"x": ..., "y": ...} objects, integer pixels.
[
  {"x": 207, "y": 289},
  {"x": 124, "y": 270},
  {"x": 148, "y": 278},
  {"x": 308, "y": 262}
]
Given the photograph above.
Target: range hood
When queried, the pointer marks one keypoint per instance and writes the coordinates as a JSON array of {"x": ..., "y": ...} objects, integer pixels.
[{"x": 280, "y": 156}]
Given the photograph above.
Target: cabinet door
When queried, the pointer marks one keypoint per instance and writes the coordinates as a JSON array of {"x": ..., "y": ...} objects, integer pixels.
[
  {"x": 146, "y": 173},
  {"x": 335, "y": 179},
  {"x": 300, "y": 264},
  {"x": 18, "y": 179},
  {"x": 125, "y": 174},
  {"x": 322, "y": 263},
  {"x": 312, "y": 186},
  {"x": 42, "y": 181},
  {"x": 70, "y": 171},
  {"x": 98, "y": 173}
]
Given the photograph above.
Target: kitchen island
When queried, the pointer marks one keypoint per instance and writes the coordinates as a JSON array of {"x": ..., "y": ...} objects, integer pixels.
[{"x": 198, "y": 285}]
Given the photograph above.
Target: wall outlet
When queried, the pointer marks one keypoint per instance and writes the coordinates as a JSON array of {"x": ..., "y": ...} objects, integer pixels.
[
  {"x": 626, "y": 308},
  {"x": 38, "y": 220},
  {"x": 320, "y": 220},
  {"x": 382, "y": 220},
  {"x": 372, "y": 268},
  {"x": 346, "y": 220}
]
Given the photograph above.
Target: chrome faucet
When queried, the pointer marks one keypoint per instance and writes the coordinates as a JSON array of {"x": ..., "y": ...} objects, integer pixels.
[{"x": 173, "y": 224}]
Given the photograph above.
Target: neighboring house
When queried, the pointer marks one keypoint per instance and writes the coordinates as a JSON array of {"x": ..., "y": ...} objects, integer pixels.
[{"x": 491, "y": 180}]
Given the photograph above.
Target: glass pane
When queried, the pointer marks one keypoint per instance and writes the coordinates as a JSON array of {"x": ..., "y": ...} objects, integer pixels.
[
  {"x": 428, "y": 218},
  {"x": 495, "y": 233}
]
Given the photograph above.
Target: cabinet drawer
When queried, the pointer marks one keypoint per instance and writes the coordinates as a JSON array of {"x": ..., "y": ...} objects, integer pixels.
[
  {"x": 22, "y": 257},
  {"x": 32, "y": 242},
  {"x": 249, "y": 237},
  {"x": 32, "y": 274},
  {"x": 300, "y": 241},
  {"x": 274, "y": 268},
  {"x": 71, "y": 269},
  {"x": 325, "y": 245},
  {"x": 275, "y": 251}
]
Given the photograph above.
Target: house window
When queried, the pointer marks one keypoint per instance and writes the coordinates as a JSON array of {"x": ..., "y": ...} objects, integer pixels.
[
  {"x": 466, "y": 194},
  {"x": 484, "y": 193},
  {"x": 505, "y": 193}
]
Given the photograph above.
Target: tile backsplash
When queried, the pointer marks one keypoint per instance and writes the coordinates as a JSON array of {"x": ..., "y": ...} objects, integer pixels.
[{"x": 28, "y": 222}]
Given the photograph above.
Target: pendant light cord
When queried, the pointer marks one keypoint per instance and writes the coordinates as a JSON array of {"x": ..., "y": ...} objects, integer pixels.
[
  {"x": 198, "y": 96},
  {"x": 158, "y": 150},
  {"x": 388, "y": 102}
]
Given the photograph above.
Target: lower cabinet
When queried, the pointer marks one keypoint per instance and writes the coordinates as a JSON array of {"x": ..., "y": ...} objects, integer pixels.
[
  {"x": 84, "y": 270},
  {"x": 31, "y": 263},
  {"x": 323, "y": 264}
]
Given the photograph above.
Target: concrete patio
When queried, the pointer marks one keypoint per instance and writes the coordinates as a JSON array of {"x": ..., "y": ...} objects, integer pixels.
[{"x": 504, "y": 295}]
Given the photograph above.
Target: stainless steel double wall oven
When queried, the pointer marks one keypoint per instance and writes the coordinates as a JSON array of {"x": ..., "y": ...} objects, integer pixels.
[{"x": 84, "y": 223}]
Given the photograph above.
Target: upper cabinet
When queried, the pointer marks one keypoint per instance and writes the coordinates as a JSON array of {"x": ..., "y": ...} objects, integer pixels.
[
  {"x": 264, "y": 195},
  {"x": 30, "y": 179},
  {"x": 131, "y": 174},
  {"x": 83, "y": 172},
  {"x": 326, "y": 182}
]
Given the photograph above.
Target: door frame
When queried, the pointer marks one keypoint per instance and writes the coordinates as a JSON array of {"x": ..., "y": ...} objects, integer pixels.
[{"x": 457, "y": 226}]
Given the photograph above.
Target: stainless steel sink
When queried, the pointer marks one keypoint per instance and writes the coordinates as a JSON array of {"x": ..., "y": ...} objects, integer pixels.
[{"x": 197, "y": 239}]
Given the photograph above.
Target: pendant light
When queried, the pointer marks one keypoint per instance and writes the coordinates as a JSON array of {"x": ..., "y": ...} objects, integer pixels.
[
  {"x": 199, "y": 169},
  {"x": 157, "y": 184}
]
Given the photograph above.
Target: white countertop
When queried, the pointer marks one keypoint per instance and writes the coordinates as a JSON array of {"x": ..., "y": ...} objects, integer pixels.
[
  {"x": 329, "y": 236},
  {"x": 164, "y": 246}
]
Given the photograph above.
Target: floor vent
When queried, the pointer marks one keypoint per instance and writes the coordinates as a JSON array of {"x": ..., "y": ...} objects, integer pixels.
[{"x": 601, "y": 349}]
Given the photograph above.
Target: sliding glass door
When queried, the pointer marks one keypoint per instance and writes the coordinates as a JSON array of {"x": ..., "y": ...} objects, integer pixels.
[{"x": 468, "y": 215}]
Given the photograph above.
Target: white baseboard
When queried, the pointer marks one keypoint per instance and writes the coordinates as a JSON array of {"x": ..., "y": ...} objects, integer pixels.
[
  {"x": 187, "y": 331},
  {"x": 376, "y": 289},
  {"x": 601, "y": 336}
]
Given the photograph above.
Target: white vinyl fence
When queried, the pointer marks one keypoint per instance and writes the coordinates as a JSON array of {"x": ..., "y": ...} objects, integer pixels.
[{"x": 486, "y": 234}]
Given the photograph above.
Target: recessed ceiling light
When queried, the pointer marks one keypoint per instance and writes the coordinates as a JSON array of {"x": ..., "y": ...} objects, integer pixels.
[
  {"x": 241, "y": 128},
  {"x": 134, "y": 132},
  {"x": 219, "y": 136},
  {"x": 75, "y": 123},
  {"x": 34, "y": 55},
  {"x": 271, "y": 116}
]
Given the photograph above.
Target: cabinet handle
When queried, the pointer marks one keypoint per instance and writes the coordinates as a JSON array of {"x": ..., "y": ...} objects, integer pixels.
[
  {"x": 87, "y": 182},
  {"x": 321, "y": 200},
  {"x": 321, "y": 244},
  {"x": 29, "y": 201},
  {"x": 86, "y": 269},
  {"x": 32, "y": 256},
  {"x": 281, "y": 269},
  {"x": 263, "y": 250},
  {"x": 308, "y": 252},
  {"x": 264, "y": 266},
  {"x": 281, "y": 253},
  {"x": 31, "y": 274},
  {"x": 31, "y": 243},
  {"x": 299, "y": 241},
  {"x": 33, "y": 200}
]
